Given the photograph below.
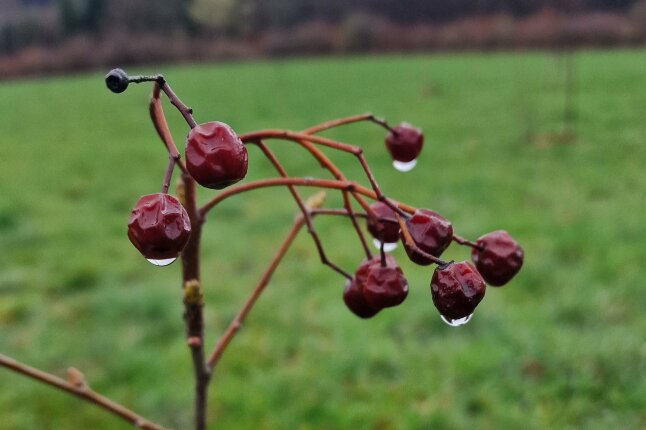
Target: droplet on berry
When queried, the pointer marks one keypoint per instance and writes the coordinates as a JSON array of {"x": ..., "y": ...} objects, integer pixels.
[
  {"x": 499, "y": 258},
  {"x": 385, "y": 228},
  {"x": 458, "y": 322},
  {"x": 404, "y": 167},
  {"x": 159, "y": 228},
  {"x": 404, "y": 143},
  {"x": 117, "y": 81},
  {"x": 215, "y": 155},
  {"x": 431, "y": 232},
  {"x": 388, "y": 246},
  {"x": 457, "y": 288},
  {"x": 385, "y": 285},
  {"x": 353, "y": 293},
  {"x": 161, "y": 263}
]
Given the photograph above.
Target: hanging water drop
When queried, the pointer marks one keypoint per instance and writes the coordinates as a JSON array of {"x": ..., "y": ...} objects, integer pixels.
[
  {"x": 404, "y": 166},
  {"x": 457, "y": 322},
  {"x": 161, "y": 263},
  {"x": 388, "y": 247}
]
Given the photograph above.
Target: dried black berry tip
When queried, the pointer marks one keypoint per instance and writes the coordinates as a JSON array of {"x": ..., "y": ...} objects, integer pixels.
[{"x": 117, "y": 81}]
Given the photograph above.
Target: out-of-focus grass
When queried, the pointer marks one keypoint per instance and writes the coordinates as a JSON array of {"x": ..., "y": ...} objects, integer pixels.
[{"x": 561, "y": 347}]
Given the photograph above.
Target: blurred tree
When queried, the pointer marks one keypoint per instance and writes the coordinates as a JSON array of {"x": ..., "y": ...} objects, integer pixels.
[
  {"x": 638, "y": 17},
  {"x": 146, "y": 16},
  {"x": 69, "y": 17},
  {"x": 90, "y": 18},
  {"x": 213, "y": 15},
  {"x": 217, "y": 17}
]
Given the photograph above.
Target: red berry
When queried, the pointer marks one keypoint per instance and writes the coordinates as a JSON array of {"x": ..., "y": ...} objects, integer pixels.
[
  {"x": 386, "y": 231},
  {"x": 431, "y": 232},
  {"x": 353, "y": 292},
  {"x": 457, "y": 288},
  {"x": 159, "y": 227},
  {"x": 499, "y": 259},
  {"x": 215, "y": 155},
  {"x": 385, "y": 285},
  {"x": 404, "y": 142}
]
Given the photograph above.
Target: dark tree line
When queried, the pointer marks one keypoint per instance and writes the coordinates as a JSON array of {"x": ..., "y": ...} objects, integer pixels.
[{"x": 25, "y": 23}]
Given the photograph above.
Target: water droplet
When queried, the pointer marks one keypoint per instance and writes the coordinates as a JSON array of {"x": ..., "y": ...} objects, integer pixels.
[
  {"x": 164, "y": 262},
  {"x": 458, "y": 322},
  {"x": 405, "y": 167},
  {"x": 388, "y": 247}
]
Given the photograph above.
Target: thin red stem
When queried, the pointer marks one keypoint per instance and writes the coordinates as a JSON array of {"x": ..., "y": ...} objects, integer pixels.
[
  {"x": 159, "y": 121},
  {"x": 349, "y": 120},
  {"x": 186, "y": 111},
  {"x": 304, "y": 211},
  {"x": 275, "y": 182},
  {"x": 410, "y": 243},
  {"x": 329, "y": 165},
  {"x": 326, "y": 163},
  {"x": 239, "y": 319},
  {"x": 355, "y": 150},
  {"x": 462, "y": 241},
  {"x": 161, "y": 83},
  {"x": 382, "y": 253},
  {"x": 168, "y": 175},
  {"x": 81, "y": 390}
]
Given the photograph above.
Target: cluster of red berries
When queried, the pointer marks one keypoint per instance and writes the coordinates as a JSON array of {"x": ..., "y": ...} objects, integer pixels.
[
  {"x": 457, "y": 288},
  {"x": 159, "y": 226}
]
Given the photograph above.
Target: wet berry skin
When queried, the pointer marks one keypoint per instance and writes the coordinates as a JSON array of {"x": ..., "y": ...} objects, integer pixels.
[
  {"x": 385, "y": 286},
  {"x": 215, "y": 155},
  {"x": 500, "y": 259},
  {"x": 389, "y": 233},
  {"x": 159, "y": 226},
  {"x": 404, "y": 143},
  {"x": 431, "y": 232},
  {"x": 353, "y": 293},
  {"x": 457, "y": 288}
]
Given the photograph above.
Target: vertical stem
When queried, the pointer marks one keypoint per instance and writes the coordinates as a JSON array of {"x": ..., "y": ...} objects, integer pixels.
[{"x": 193, "y": 303}]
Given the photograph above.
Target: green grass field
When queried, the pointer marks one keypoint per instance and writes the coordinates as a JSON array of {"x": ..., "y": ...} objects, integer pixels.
[{"x": 562, "y": 346}]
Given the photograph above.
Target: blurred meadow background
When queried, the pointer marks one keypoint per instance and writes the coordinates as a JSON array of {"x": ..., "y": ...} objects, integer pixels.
[{"x": 546, "y": 143}]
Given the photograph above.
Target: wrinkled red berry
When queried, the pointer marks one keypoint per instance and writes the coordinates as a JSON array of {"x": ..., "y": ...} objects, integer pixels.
[
  {"x": 215, "y": 155},
  {"x": 384, "y": 231},
  {"x": 404, "y": 142},
  {"x": 499, "y": 259},
  {"x": 385, "y": 285},
  {"x": 431, "y": 232},
  {"x": 457, "y": 288},
  {"x": 353, "y": 292},
  {"x": 159, "y": 226}
]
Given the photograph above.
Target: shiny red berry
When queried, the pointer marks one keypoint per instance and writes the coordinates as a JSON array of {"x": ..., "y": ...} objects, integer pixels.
[
  {"x": 404, "y": 142},
  {"x": 215, "y": 155},
  {"x": 159, "y": 227},
  {"x": 431, "y": 232},
  {"x": 457, "y": 288},
  {"x": 385, "y": 285},
  {"x": 353, "y": 293},
  {"x": 499, "y": 258},
  {"x": 384, "y": 231}
]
